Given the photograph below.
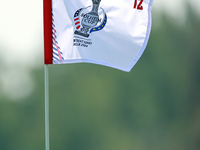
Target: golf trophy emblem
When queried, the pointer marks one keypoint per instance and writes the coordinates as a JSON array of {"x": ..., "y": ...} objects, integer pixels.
[{"x": 87, "y": 21}]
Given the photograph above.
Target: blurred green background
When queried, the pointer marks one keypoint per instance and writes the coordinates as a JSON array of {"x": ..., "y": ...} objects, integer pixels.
[{"x": 154, "y": 107}]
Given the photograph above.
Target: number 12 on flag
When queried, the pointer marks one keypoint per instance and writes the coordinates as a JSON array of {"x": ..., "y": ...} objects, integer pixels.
[{"x": 139, "y": 6}]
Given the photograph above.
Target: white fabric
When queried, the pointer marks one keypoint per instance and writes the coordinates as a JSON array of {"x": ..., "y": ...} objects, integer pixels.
[{"x": 119, "y": 44}]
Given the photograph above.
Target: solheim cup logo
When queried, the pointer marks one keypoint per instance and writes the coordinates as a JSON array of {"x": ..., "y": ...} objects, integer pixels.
[{"x": 89, "y": 19}]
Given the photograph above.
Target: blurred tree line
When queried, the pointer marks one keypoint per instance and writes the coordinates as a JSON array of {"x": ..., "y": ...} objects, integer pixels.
[{"x": 154, "y": 107}]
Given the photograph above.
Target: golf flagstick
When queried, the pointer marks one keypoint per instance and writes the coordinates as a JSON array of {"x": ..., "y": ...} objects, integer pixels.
[{"x": 46, "y": 78}]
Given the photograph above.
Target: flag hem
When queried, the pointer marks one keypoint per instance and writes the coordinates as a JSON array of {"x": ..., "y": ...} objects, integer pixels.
[
  {"x": 84, "y": 60},
  {"x": 47, "y": 20}
]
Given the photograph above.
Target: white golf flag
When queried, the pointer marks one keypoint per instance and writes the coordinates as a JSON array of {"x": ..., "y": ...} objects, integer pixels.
[{"x": 113, "y": 33}]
